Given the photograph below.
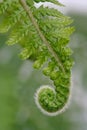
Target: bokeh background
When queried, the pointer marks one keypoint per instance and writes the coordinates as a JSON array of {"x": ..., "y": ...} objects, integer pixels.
[{"x": 19, "y": 81}]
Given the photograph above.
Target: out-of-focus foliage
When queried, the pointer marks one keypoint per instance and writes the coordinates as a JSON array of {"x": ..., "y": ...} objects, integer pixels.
[
  {"x": 18, "y": 82},
  {"x": 79, "y": 45}
]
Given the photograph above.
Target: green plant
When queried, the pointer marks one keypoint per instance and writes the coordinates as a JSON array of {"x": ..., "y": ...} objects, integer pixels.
[{"x": 44, "y": 34}]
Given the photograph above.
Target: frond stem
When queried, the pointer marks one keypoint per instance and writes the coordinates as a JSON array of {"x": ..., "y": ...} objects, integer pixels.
[{"x": 30, "y": 15}]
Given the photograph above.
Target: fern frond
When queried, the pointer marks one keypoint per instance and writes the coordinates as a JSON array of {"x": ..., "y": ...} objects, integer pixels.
[
  {"x": 45, "y": 33},
  {"x": 6, "y": 4}
]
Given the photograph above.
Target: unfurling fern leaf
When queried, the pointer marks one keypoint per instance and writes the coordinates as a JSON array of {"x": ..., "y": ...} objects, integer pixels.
[{"x": 45, "y": 33}]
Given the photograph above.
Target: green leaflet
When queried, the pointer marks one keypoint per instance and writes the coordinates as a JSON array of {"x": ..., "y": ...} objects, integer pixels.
[{"x": 43, "y": 33}]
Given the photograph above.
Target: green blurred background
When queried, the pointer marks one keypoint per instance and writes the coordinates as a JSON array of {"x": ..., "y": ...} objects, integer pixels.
[{"x": 19, "y": 81}]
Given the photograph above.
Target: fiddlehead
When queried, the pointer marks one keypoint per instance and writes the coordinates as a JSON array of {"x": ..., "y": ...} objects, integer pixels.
[{"x": 42, "y": 32}]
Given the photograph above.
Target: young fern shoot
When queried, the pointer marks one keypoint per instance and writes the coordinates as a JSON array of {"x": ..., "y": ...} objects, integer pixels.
[{"x": 44, "y": 34}]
